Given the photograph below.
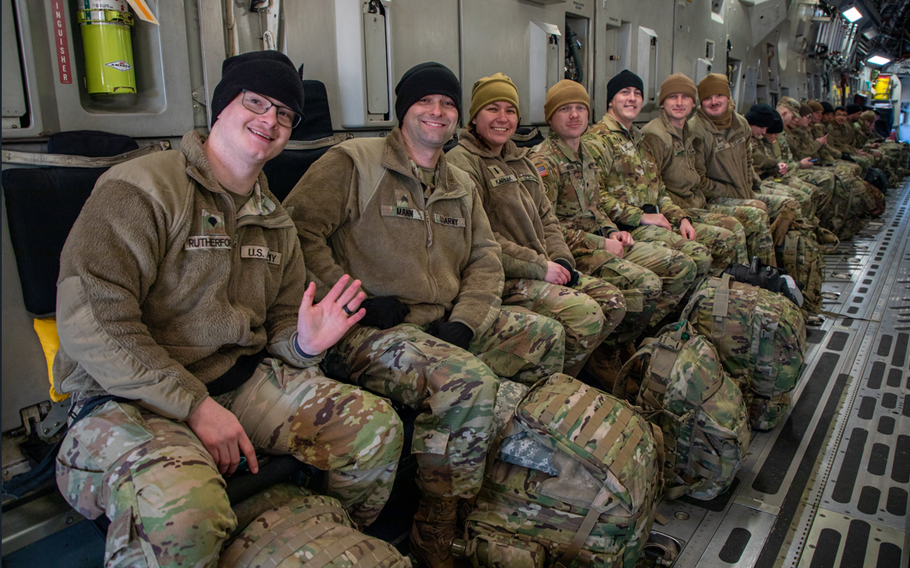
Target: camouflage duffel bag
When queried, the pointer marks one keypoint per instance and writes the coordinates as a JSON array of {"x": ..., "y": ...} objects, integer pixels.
[
  {"x": 760, "y": 337},
  {"x": 683, "y": 389},
  {"x": 801, "y": 257},
  {"x": 289, "y": 526},
  {"x": 574, "y": 483}
]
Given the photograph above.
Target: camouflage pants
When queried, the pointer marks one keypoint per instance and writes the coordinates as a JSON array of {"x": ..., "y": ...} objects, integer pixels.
[
  {"x": 697, "y": 252},
  {"x": 162, "y": 491},
  {"x": 589, "y": 312},
  {"x": 806, "y": 207},
  {"x": 824, "y": 182},
  {"x": 725, "y": 249},
  {"x": 774, "y": 203},
  {"x": 757, "y": 228},
  {"x": 454, "y": 389},
  {"x": 653, "y": 279}
]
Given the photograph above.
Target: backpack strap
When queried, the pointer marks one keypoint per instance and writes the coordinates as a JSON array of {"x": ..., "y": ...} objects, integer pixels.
[{"x": 594, "y": 512}]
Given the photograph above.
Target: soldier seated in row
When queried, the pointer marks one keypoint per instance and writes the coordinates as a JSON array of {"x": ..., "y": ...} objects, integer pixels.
[
  {"x": 670, "y": 142},
  {"x": 181, "y": 274},
  {"x": 723, "y": 158},
  {"x": 394, "y": 213},
  {"x": 651, "y": 278},
  {"x": 539, "y": 268}
]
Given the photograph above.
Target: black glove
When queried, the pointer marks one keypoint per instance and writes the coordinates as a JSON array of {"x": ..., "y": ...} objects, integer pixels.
[
  {"x": 846, "y": 156},
  {"x": 573, "y": 274},
  {"x": 454, "y": 332},
  {"x": 384, "y": 312}
]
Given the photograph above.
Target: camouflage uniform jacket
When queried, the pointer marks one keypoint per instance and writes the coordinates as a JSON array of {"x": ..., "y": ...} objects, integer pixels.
[
  {"x": 164, "y": 284},
  {"x": 723, "y": 158},
  {"x": 629, "y": 177},
  {"x": 801, "y": 143},
  {"x": 516, "y": 202},
  {"x": 763, "y": 158},
  {"x": 570, "y": 179},
  {"x": 827, "y": 153},
  {"x": 841, "y": 137},
  {"x": 361, "y": 209},
  {"x": 674, "y": 153}
]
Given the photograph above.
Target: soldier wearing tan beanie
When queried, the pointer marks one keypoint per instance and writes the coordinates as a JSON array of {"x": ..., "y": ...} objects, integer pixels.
[
  {"x": 563, "y": 93},
  {"x": 497, "y": 87},
  {"x": 678, "y": 83}
]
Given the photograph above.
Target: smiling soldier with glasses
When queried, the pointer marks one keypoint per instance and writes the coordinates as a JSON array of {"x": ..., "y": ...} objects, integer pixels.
[{"x": 260, "y": 105}]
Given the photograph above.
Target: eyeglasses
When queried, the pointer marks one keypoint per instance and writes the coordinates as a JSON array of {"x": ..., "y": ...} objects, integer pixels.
[{"x": 254, "y": 102}]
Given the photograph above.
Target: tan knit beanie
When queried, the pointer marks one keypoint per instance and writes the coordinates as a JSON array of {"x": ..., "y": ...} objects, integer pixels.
[
  {"x": 496, "y": 87},
  {"x": 815, "y": 106},
  {"x": 790, "y": 104},
  {"x": 562, "y": 93},
  {"x": 868, "y": 116},
  {"x": 713, "y": 84},
  {"x": 677, "y": 83}
]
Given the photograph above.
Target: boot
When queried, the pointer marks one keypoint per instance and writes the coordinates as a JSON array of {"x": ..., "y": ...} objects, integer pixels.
[{"x": 434, "y": 531}]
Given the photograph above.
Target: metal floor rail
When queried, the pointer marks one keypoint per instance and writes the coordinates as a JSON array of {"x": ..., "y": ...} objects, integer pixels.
[{"x": 829, "y": 486}]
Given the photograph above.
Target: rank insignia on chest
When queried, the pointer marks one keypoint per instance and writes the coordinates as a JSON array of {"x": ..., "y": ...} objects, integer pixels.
[
  {"x": 721, "y": 144},
  {"x": 213, "y": 223},
  {"x": 542, "y": 169},
  {"x": 495, "y": 170},
  {"x": 402, "y": 198}
]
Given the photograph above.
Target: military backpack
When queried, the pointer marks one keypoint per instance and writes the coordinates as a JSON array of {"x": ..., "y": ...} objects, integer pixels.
[
  {"x": 288, "y": 526},
  {"x": 683, "y": 389},
  {"x": 801, "y": 257},
  {"x": 574, "y": 483},
  {"x": 760, "y": 337}
]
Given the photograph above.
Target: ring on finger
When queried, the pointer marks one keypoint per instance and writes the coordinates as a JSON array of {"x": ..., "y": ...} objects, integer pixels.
[{"x": 347, "y": 311}]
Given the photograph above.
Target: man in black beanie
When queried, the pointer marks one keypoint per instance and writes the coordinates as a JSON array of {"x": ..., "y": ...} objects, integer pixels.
[
  {"x": 632, "y": 192},
  {"x": 392, "y": 212},
  {"x": 184, "y": 303}
]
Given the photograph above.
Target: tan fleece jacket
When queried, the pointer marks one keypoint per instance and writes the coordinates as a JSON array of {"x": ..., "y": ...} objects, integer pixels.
[
  {"x": 516, "y": 203},
  {"x": 361, "y": 210},
  {"x": 674, "y": 154},
  {"x": 723, "y": 158},
  {"x": 162, "y": 287}
]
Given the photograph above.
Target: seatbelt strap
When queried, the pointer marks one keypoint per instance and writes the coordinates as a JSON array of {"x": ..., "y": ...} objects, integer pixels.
[{"x": 38, "y": 475}]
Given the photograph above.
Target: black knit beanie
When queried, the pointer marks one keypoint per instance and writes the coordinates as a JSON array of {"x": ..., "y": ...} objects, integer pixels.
[
  {"x": 429, "y": 78},
  {"x": 777, "y": 123},
  {"x": 853, "y": 109},
  {"x": 827, "y": 108},
  {"x": 623, "y": 79},
  {"x": 761, "y": 116},
  {"x": 268, "y": 73}
]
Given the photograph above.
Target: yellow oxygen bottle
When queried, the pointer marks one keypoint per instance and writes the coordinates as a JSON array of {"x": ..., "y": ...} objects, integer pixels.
[{"x": 108, "y": 50}]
